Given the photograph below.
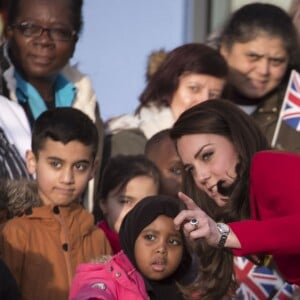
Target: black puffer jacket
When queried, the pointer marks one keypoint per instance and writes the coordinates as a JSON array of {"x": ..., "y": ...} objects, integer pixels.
[{"x": 8, "y": 285}]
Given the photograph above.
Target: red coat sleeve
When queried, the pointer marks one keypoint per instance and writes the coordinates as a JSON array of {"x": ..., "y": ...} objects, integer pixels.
[{"x": 275, "y": 206}]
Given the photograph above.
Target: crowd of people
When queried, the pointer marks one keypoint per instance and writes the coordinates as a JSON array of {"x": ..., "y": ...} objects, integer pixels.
[{"x": 188, "y": 197}]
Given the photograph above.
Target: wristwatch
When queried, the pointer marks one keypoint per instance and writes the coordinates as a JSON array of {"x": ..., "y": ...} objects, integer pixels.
[{"x": 224, "y": 229}]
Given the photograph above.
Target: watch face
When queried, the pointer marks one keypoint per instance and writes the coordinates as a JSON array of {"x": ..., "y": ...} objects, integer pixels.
[{"x": 223, "y": 228}]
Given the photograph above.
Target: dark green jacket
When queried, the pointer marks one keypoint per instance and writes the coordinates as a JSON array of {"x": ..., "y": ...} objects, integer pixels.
[{"x": 266, "y": 116}]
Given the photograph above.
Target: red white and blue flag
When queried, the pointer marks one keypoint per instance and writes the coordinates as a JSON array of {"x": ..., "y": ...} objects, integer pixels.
[
  {"x": 260, "y": 282},
  {"x": 291, "y": 105},
  {"x": 290, "y": 109}
]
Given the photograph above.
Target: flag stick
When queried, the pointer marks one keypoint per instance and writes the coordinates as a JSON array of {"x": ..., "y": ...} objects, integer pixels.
[{"x": 279, "y": 120}]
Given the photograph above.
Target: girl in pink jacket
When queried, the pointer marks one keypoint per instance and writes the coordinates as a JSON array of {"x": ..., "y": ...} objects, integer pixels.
[{"x": 153, "y": 261}]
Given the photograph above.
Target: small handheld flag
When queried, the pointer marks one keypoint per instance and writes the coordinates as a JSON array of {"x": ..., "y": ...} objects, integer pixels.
[{"x": 290, "y": 109}]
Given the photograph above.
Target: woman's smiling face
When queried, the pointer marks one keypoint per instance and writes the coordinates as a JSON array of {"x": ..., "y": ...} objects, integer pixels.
[
  {"x": 211, "y": 159},
  {"x": 42, "y": 56}
]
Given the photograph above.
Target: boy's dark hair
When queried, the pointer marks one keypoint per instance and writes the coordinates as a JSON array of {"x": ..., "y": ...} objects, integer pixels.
[
  {"x": 75, "y": 9},
  {"x": 64, "y": 124}
]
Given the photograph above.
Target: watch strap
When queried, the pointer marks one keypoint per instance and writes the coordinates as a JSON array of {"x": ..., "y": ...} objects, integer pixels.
[
  {"x": 222, "y": 240},
  {"x": 224, "y": 229}
]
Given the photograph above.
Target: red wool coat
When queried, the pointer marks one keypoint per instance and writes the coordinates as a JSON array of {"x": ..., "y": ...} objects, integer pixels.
[{"x": 275, "y": 208}]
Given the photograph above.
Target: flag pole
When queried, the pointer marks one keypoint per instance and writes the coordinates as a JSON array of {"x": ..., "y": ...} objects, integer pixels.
[{"x": 279, "y": 120}]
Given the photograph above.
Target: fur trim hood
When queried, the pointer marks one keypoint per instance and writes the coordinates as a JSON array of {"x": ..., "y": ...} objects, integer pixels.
[
  {"x": 19, "y": 196},
  {"x": 150, "y": 120}
]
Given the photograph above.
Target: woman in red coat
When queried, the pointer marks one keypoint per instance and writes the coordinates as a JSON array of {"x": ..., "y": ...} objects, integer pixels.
[{"x": 237, "y": 195}]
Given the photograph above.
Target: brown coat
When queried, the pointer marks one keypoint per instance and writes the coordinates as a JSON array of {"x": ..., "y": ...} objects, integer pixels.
[{"x": 43, "y": 248}]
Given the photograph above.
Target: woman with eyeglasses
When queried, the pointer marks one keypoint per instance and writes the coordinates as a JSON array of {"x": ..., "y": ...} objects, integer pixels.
[{"x": 41, "y": 36}]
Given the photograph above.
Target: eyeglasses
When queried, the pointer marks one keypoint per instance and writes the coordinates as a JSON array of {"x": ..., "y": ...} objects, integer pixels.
[{"x": 55, "y": 33}]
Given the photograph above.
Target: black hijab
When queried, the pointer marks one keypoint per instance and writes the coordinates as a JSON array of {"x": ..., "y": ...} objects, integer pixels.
[{"x": 144, "y": 213}]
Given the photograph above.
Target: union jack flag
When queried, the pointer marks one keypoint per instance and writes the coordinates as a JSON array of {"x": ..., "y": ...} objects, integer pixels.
[
  {"x": 260, "y": 282},
  {"x": 291, "y": 104}
]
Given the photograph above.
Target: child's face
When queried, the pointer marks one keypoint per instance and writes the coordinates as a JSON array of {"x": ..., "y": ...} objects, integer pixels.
[
  {"x": 158, "y": 249},
  {"x": 170, "y": 167},
  {"x": 120, "y": 202},
  {"x": 62, "y": 171}
]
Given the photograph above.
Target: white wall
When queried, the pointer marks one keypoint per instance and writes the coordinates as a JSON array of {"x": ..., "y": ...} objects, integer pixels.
[
  {"x": 118, "y": 36},
  {"x": 285, "y": 4}
]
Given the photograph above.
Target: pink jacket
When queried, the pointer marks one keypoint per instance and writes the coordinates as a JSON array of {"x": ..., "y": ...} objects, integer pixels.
[
  {"x": 275, "y": 208},
  {"x": 116, "y": 279}
]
